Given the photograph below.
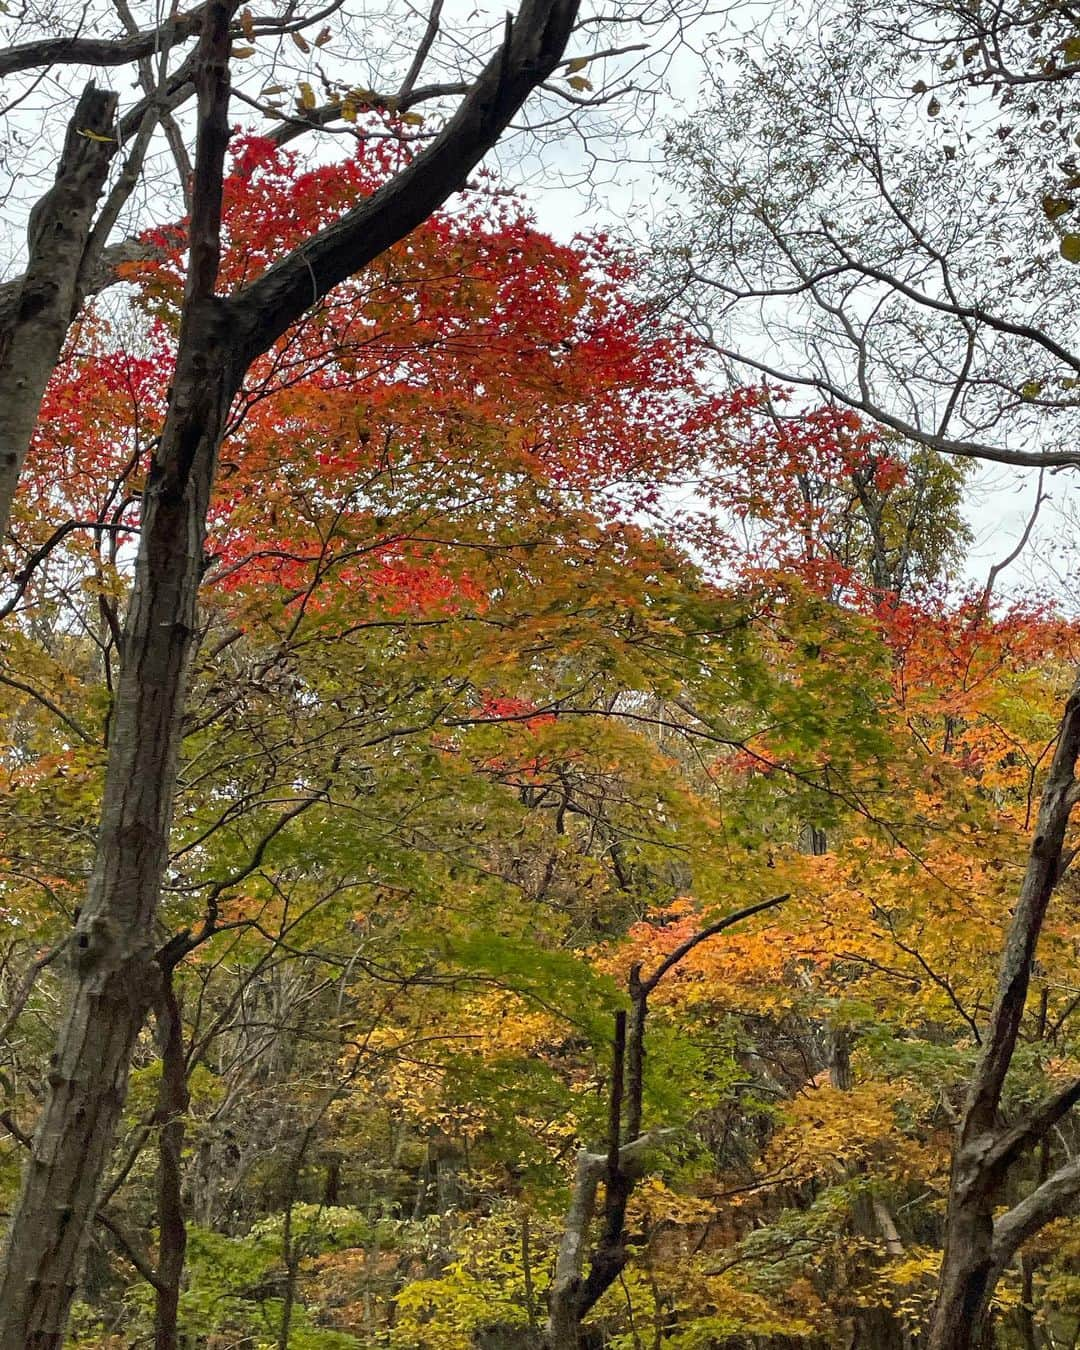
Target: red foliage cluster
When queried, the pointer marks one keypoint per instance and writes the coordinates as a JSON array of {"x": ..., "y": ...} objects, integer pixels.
[{"x": 481, "y": 376}]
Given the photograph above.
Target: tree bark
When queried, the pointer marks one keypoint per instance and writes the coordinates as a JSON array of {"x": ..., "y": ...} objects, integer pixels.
[
  {"x": 48, "y": 294},
  {"x": 566, "y": 1298},
  {"x": 977, "y": 1248},
  {"x": 117, "y": 978}
]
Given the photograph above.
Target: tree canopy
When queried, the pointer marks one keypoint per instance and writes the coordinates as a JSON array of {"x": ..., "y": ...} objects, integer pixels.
[{"x": 524, "y": 824}]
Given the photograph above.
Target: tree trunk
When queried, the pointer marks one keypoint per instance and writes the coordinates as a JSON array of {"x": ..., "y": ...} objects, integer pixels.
[
  {"x": 117, "y": 978},
  {"x": 173, "y": 1101},
  {"x": 977, "y": 1247},
  {"x": 573, "y": 1293},
  {"x": 48, "y": 292}
]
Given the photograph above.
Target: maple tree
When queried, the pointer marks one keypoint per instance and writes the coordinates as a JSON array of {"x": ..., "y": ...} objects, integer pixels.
[
  {"x": 524, "y": 661},
  {"x": 218, "y": 341}
]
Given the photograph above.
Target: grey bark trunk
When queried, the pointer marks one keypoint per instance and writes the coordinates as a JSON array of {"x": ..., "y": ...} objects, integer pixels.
[
  {"x": 977, "y": 1245},
  {"x": 48, "y": 294},
  {"x": 117, "y": 977}
]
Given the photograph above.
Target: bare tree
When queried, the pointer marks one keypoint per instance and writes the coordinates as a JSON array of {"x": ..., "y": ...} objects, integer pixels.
[{"x": 877, "y": 222}]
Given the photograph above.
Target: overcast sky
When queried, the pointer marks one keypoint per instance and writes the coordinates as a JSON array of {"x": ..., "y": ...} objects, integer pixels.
[{"x": 601, "y": 174}]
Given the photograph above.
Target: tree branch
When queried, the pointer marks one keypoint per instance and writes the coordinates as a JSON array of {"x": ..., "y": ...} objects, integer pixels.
[
  {"x": 1022, "y": 1136},
  {"x": 685, "y": 948},
  {"x": 82, "y": 51},
  {"x": 1054, "y": 1198},
  {"x": 531, "y": 50}
]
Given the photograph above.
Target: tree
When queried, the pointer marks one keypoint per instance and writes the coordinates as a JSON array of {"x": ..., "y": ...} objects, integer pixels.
[
  {"x": 457, "y": 737},
  {"x": 575, "y": 1293},
  {"x": 890, "y": 256},
  {"x": 887, "y": 239},
  {"x": 822, "y": 493},
  {"x": 114, "y": 965}
]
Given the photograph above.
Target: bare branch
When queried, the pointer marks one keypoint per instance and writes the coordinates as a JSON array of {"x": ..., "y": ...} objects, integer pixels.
[
  {"x": 531, "y": 50},
  {"x": 685, "y": 948}
]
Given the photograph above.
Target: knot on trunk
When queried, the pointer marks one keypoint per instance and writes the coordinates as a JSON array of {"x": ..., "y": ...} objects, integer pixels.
[{"x": 120, "y": 966}]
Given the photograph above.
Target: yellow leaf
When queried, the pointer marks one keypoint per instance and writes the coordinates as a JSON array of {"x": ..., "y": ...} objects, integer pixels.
[
  {"x": 1070, "y": 248},
  {"x": 307, "y": 95},
  {"x": 413, "y": 119},
  {"x": 578, "y": 63},
  {"x": 241, "y": 52},
  {"x": 579, "y": 82}
]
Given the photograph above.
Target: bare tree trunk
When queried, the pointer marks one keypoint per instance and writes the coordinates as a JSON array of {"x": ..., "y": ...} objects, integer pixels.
[
  {"x": 574, "y": 1293},
  {"x": 47, "y": 297},
  {"x": 978, "y": 1248}
]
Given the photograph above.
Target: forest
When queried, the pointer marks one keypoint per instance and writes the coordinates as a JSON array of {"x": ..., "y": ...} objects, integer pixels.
[{"x": 539, "y": 655}]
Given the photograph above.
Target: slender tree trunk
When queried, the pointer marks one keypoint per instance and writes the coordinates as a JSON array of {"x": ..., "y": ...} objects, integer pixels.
[
  {"x": 573, "y": 1293},
  {"x": 291, "y": 1255},
  {"x": 173, "y": 1101},
  {"x": 34, "y": 327},
  {"x": 117, "y": 978}
]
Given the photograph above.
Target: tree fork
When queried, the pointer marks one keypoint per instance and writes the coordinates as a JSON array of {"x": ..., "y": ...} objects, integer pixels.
[{"x": 977, "y": 1247}]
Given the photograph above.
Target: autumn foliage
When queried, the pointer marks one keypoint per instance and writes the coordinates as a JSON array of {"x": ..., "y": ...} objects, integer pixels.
[{"x": 533, "y": 656}]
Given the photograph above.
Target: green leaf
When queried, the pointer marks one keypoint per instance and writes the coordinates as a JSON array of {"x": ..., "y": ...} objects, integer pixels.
[{"x": 1070, "y": 248}]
